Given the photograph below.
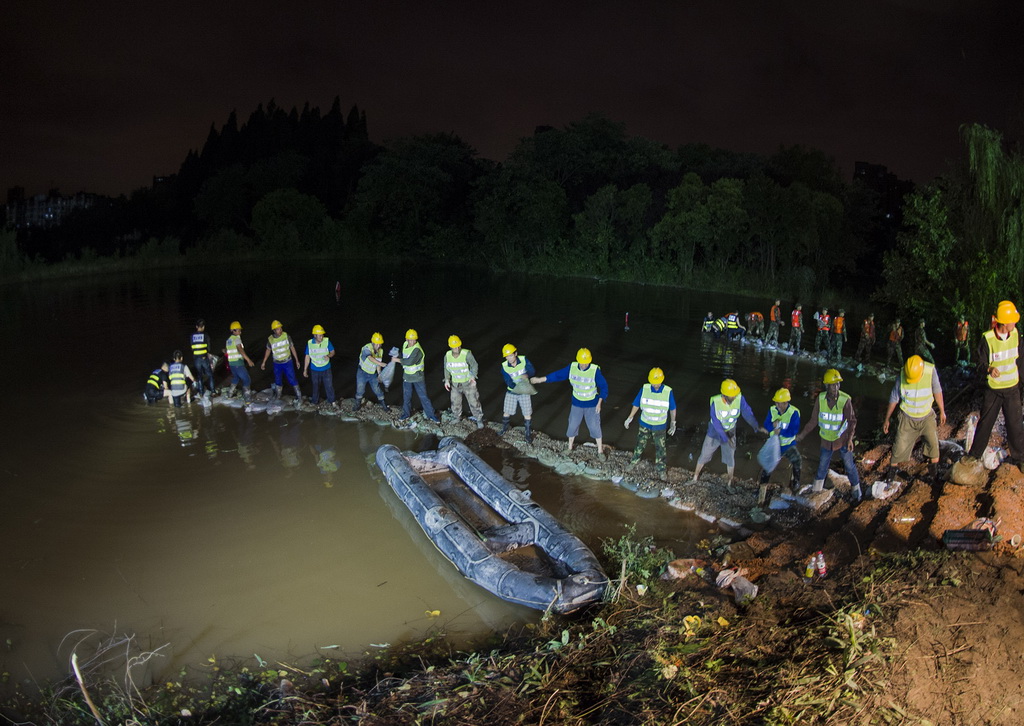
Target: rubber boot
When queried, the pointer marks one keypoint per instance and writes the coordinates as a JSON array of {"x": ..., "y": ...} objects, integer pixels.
[
  {"x": 818, "y": 486},
  {"x": 275, "y": 391},
  {"x": 298, "y": 396},
  {"x": 479, "y": 423},
  {"x": 762, "y": 494},
  {"x": 855, "y": 494},
  {"x": 504, "y": 426},
  {"x": 527, "y": 434},
  {"x": 231, "y": 391}
]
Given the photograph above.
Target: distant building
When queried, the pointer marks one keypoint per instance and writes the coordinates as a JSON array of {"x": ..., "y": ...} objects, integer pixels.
[{"x": 43, "y": 210}]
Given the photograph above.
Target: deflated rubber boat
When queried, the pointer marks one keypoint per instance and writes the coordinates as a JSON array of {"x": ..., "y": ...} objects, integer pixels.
[{"x": 491, "y": 531}]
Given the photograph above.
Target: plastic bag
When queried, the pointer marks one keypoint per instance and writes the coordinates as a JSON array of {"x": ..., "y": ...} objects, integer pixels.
[
  {"x": 770, "y": 454},
  {"x": 387, "y": 375}
]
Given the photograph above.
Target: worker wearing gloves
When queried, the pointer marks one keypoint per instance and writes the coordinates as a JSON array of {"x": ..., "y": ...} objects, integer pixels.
[
  {"x": 916, "y": 390},
  {"x": 657, "y": 406},
  {"x": 836, "y": 421},
  {"x": 726, "y": 409}
]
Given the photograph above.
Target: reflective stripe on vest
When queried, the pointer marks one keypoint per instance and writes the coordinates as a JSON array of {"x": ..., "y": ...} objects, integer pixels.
[
  {"x": 916, "y": 398},
  {"x": 584, "y": 382},
  {"x": 200, "y": 345},
  {"x": 732, "y": 322},
  {"x": 407, "y": 351},
  {"x": 775, "y": 313},
  {"x": 783, "y": 420},
  {"x": 232, "y": 349},
  {"x": 727, "y": 413},
  {"x": 280, "y": 347},
  {"x": 514, "y": 372},
  {"x": 458, "y": 366},
  {"x": 654, "y": 405},
  {"x": 831, "y": 420},
  {"x": 838, "y": 325},
  {"x": 797, "y": 318},
  {"x": 824, "y": 322},
  {"x": 154, "y": 379},
  {"x": 176, "y": 374},
  {"x": 365, "y": 364},
  {"x": 318, "y": 352},
  {"x": 1002, "y": 355},
  {"x": 707, "y": 326}
]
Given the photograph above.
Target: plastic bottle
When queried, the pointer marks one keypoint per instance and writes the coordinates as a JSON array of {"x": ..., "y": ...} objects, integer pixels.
[
  {"x": 822, "y": 570},
  {"x": 809, "y": 571}
]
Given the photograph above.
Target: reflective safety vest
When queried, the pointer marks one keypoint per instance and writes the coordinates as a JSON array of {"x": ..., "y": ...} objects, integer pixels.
[
  {"x": 318, "y": 352},
  {"x": 868, "y": 329},
  {"x": 732, "y": 321},
  {"x": 176, "y": 374},
  {"x": 824, "y": 322},
  {"x": 831, "y": 420},
  {"x": 1002, "y": 355},
  {"x": 838, "y": 324},
  {"x": 796, "y": 318},
  {"x": 458, "y": 365},
  {"x": 727, "y": 413},
  {"x": 720, "y": 324},
  {"x": 234, "y": 356},
  {"x": 654, "y": 405},
  {"x": 916, "y": 398},
  {"x": 365, "y": 364},
  {"x": 961, "y": 332},
  {"x": 756, "y": 316},
  {"x": 155, "y": 379},
  {"x": 280, "y": 347},
  {"x": 407, "y": 351},
  {"x": 514, "y": 372},
  {"x": 584, "y": 382},
  {"x": 200, "y": 344},
  {"x": 775, "y": 314},
  {"x": 707, "y": 326},
  {"x": 783, "y": 419},
  {"x": 896, "y": 334}
]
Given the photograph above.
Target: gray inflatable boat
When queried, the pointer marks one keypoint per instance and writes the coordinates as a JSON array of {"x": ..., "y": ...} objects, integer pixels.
[{"x": 491, "y": 531}]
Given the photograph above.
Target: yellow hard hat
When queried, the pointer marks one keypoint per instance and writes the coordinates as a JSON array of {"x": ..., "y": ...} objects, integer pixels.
[
  {"x": 730, "y": 388},
  {"x": 377, "y": 339},
  {"x": 275, "y": 325},
  {"x": 656, "y": 377},
  {"x": 507, "y": 350},
  {"x": 914, "y": 368},
  {"x": 454, "y": 341},
  {"x": 318, "y": 330},
  {"x": 832, "y": 376},
  {"x": 236, "y": 325},
  {"x": 411, "y": 334},
  {"x": 583, "y": 356},
  {"x": 1006, "y": 313},
  {"x": 782, "y": 396}
]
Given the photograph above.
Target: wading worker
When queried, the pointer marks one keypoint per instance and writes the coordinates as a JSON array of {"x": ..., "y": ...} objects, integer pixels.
[
  {"x": 915, "y": 391},
  {"x": 371, "y": 362},
  {"x": 156, "y": 385},
  {"x": 657, "y": 406},
  {"x": 516, "y": 370},
  {"x": 999, "y": 358},
  {"x": 783, "y": 420},
  {"x": 726, "y": 409},
  {"x": 836, "y": 421},
  {"x": 280, "y": 345},
  {"x": 413, "y": 378},
  {"x": 180, "y": 379},
  {"x": 238, "y": 359},
  {"x": 200, "y": 343},
  {"x": 319, "y": 351},
  {"x": 460, "y": 372},
  {"x": 589, "y": 389}
]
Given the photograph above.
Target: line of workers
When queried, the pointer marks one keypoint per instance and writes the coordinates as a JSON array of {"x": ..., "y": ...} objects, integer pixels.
[
  {"x": 915, "y": 392},
  {"x": 832, "y": 333}
]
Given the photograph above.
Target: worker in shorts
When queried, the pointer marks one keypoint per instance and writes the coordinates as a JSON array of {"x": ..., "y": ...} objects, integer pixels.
[
  {"x": 726, "y": 409},
  {"x": 516, "y": 370}
]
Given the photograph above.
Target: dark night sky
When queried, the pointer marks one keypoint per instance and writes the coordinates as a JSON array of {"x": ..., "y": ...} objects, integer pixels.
[{"x": 100, "y": 96}]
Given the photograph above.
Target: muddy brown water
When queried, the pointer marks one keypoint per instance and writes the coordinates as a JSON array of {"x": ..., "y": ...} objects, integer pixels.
[{"x": 216, "y": 535}]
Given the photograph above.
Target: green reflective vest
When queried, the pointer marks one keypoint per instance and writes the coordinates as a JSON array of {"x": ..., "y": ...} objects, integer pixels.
[
  {"x": 280, "y": 347},
  {"x": 831, "y": 421},
  {"x": 457, "y": 365},
  {"x": 365, "y": 364},
  {"x": 407, "y": 351},
  {"x": 318, "y": 353},
  {"x": 916, "y": 398},
  {"x": 654, "y": 405},
  {"x": 234, "y": 356},
  {"x": 782, "y": 420},
  {"x": 727, "y": 413},
  {"x": 1002, "y": 355},
  {"x": 514, "y": 372},
  {"x": 584, "y": 382}
]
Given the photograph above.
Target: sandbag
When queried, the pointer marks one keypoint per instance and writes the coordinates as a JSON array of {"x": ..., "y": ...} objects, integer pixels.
[
  {"x": 523, "y": 386},
  {"x": 387, "y": 375},
  {"x": 770, "y": 454}
]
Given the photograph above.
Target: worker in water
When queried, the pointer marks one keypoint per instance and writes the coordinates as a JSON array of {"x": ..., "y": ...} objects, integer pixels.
[
  {"x": 589, "y": 390},
  {"x": 867, "y": 339},
  {"x": 894, "y": 345},
  {"x": 915, "y": 391},
  {"x": 156, "y": 385},
  {"x": 774, "y": 323},
  {"x": 960, "y": 337},
  {"x": 733, "y": 327},
  {"x": 1000, "y": 360},
  {"x": 238, "y": 359},
  {"x": 460, "y": 373},
  {"x": 286, "y": 360},
  {"x": 200, "y": 343},
  {"x": 180, "y": 379},
  {"x": 371, "y": 363},
  {"x": 838, "y": 336},
  {"x": 796, "y": 319},
  {"x": 708, "y": 325},
  {"x": 783, "y": 420},
  {"x": 922, "y": 346},
  {"x": 720, "y": 327},
  {"x": 413, "y": 379},
  {"x": 516, "y": 370},
  {"x": 823, "y": 321},
  {"x": 726, "y": 409},
  {"x": 836, "y": 421},
  {"x": 657, "y": 406},
  {"x": 319, "y": 351},
  {"x": 755, "y": 324}
]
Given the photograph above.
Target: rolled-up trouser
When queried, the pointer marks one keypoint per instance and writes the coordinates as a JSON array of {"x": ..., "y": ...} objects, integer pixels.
[
  {"x": 362, "y": 379},
  {"x": 588, "y": 414},
  {"x": 467, "y": 389},
  {"x": 240, "y": 375},
  {"x": 420, "y": 387},
  {"x": 1006, "y": 400},
  {"x": 825, "y": 459},
  {"x": 707, "y": 450},
  {"x": 204, "y": 374},
  {"x": 322, "y": 378}
]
